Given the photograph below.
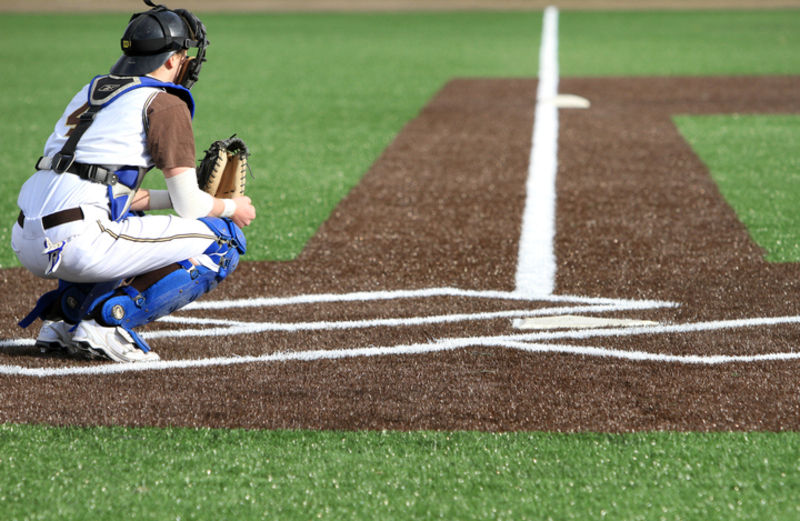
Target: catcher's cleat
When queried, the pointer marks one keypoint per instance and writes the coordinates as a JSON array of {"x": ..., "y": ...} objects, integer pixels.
[
  {"x": 98, "y": 342},
  {"x": 55, "y": 337}
]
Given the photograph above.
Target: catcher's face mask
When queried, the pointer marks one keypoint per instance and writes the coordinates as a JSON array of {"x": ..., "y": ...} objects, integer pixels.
[
  {"x": 190, "y": 70},
  {"x": 152, "y": 36}
]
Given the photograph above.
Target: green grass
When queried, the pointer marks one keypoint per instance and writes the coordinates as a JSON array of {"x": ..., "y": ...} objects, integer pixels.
[
  {"x": 318, "y": 97},
  {"x": 755, "y": 161},
  {"x": 675, "y": 43},
  {"x": 101, "y": 473}
]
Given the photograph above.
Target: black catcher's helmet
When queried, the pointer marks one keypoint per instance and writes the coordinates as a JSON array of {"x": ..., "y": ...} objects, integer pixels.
[{"x": 153, "y": 36}]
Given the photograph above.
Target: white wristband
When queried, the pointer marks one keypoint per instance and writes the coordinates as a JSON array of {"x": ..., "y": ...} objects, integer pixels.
[{"x": 230, "y": 208}]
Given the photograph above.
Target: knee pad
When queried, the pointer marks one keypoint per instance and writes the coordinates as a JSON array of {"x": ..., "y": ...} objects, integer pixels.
[
  {"x": 230, "y": 235},
  {"x": 226, "y": 250}
]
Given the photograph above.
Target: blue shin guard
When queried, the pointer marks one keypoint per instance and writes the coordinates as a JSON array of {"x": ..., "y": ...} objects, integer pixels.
[{"x": 129, "y": 308}]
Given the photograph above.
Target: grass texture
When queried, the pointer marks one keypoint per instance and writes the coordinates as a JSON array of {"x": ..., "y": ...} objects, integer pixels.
[
  {"x": 755, "y": 161},
  {"x": 103, "y": 473},
  {"x": 676, "y": 43},
  {"x": 319, "y": 96}
]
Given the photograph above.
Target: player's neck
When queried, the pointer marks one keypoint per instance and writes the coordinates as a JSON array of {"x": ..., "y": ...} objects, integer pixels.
[{"x": 161, "y": 74}]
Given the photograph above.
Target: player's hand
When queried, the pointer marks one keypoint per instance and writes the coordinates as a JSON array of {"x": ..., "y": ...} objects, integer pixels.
[{"x": 245, "y": 211}]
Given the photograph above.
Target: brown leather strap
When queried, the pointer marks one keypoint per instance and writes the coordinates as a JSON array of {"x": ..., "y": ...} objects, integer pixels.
[{"x": 55, "y": 219}]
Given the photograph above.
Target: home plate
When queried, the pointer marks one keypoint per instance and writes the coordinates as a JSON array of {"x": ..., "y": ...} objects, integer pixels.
[
  {"x": 569, "y": 101},
  {"x": 576, "y": 322}
]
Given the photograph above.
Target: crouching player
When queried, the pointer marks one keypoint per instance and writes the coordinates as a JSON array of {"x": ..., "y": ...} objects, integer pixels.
[{"x": 82, "y": 220}]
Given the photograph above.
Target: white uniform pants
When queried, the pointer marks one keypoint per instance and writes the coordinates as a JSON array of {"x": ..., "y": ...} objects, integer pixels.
[{"x": 97, "y": 249}]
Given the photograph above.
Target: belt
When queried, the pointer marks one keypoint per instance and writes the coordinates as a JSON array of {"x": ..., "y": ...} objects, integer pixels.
[{"x": 55, "y": 219}]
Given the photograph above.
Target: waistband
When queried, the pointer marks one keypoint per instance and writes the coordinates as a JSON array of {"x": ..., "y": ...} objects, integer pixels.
[{"x": 54, "y": 219}]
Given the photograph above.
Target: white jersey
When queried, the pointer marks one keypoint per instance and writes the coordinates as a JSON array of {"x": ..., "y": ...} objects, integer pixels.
[
  {"x": 97, "y": 248},
  {"x": 116, "y": 137}
]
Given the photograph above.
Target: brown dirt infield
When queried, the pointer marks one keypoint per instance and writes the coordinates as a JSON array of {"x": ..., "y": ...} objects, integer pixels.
[{"x": 638, "y": 218}]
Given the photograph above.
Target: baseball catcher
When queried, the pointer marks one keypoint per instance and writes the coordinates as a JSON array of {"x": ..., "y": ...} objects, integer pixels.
[{"x": 82, "y": 217}]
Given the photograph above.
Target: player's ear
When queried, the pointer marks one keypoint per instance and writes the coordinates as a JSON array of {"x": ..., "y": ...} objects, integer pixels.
[{"x": 175, "y": 60}]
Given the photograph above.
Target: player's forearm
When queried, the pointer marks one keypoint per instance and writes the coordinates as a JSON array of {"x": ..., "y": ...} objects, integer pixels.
[
  {"x": 223, "y": 208},
  {"x": 189, "y": 201},
  {"x": 187, "y": 198},
  {"x": 150, "y": 200}
]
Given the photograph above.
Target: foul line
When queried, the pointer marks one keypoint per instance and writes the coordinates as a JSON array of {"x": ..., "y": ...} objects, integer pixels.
[{"x": 536, "y": 264}]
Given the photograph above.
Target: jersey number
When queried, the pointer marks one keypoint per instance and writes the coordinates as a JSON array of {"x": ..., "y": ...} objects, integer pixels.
[{"x": 74, "y": 118}]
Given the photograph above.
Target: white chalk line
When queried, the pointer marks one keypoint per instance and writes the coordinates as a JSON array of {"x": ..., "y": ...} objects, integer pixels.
[
  {"x": 250, "y": 327},
  {"x": 643, "y": 356},
  {"x": 692, "y": 327},
  {"x": 370, "y": 296},
  {"x": 524, "y": 342},
  {"x": 240, "y": 327},
  {"x": 308, "y": 356},
  {"x": 536, "y": 263}
]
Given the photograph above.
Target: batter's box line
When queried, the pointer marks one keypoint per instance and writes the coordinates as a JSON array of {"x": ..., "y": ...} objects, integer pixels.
[
  {"x": 424, "y": 293},
  {"x": 593, "y": 304},
  {"x": 523, "y": 342},
  {"x": 644, "y": 356},
  {"x": 247, "y": 327},
  {"x": 239, "y": 327}
]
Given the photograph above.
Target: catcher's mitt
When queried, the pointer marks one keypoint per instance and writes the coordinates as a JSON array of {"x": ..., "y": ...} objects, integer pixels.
[{"x": 223, "y": 170}]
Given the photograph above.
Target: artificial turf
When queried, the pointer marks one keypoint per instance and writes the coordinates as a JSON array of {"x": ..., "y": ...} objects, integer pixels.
[
  {"x": 317, "y": 97},
  {"x": 160, "y": 474},
  {"x": 755, "y": 161}
]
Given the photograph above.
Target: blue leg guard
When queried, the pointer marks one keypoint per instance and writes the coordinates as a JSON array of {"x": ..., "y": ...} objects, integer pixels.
[{"x": 129, "y": 307}]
